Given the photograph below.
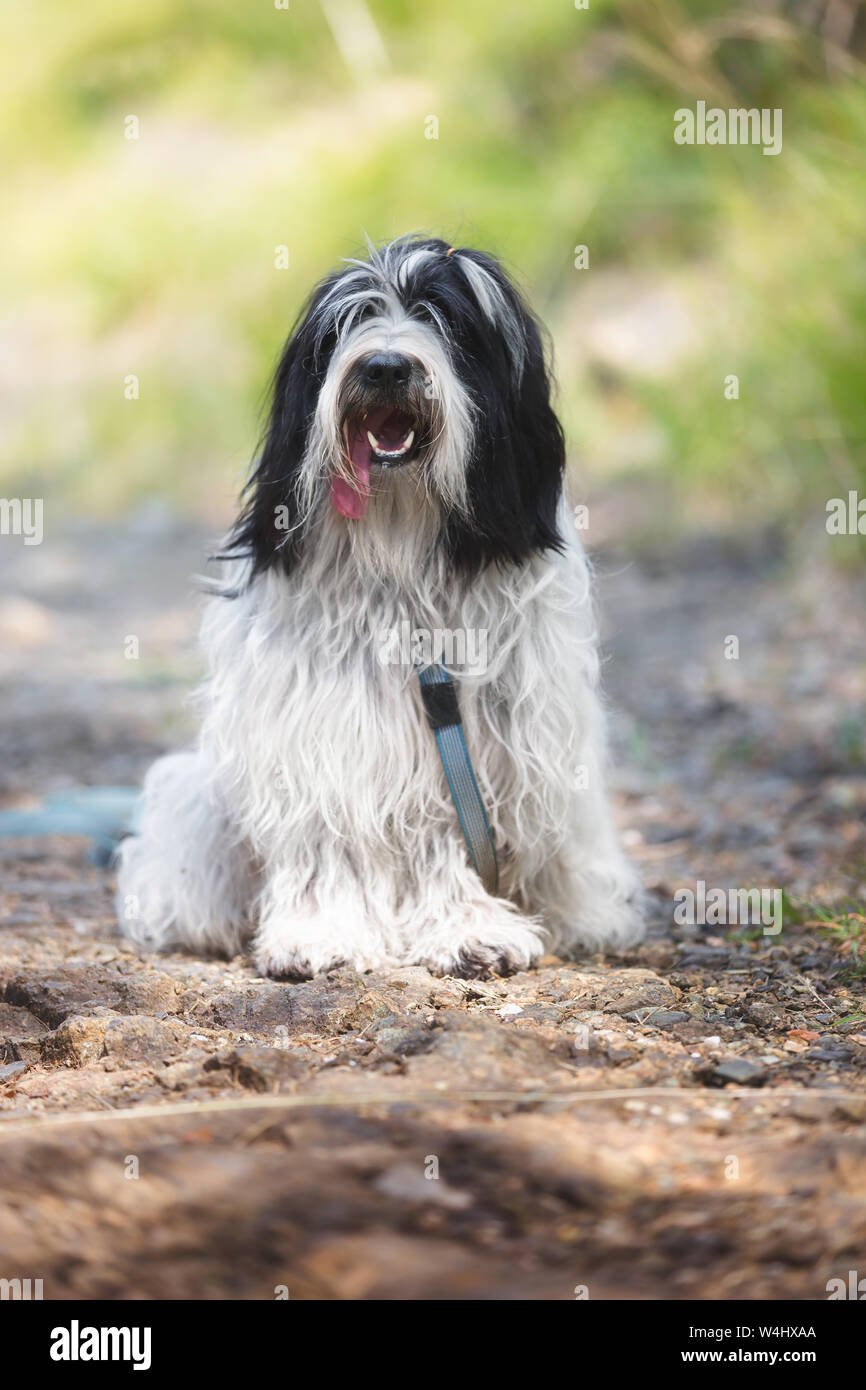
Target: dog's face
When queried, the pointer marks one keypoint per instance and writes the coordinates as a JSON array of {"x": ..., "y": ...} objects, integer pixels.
[{"x": 413, "y": 391}]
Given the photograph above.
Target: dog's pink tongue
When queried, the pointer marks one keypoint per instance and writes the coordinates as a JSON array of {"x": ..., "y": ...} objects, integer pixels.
[
  {"x": 351, "y": 498},
  {"x": 352, "y": 501}
]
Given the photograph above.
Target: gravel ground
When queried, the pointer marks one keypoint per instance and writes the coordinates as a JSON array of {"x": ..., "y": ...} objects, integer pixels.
[{"x": 687, "y": 1121}]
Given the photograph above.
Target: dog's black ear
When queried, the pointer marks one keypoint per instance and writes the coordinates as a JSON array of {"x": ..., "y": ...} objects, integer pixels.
[
  {"x": 515, "y": 473},
  {"x": 270, "y": 527}
]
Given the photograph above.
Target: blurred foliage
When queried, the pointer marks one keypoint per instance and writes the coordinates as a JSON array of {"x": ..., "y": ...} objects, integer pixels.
[{"x": 305, "y": 127}]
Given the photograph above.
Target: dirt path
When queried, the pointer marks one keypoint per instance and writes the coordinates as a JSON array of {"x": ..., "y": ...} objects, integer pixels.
[{"x": 689, "y": 1121}]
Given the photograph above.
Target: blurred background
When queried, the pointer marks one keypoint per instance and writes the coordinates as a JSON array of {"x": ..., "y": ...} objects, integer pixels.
[{"x": 305, "y": 127}]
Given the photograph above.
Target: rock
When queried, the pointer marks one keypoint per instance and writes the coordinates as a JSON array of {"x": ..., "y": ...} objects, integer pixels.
[
  {"x": 710, "y": 958},
  {"x": 406, "y": 1182},
  {"x": 20, "y": 1034},
  {"x": 536, "y": 1013},
  {"x": 851, "y": 1108},
  {"x": 140, "y": 1038},
  {"x": 19, "y": 1024},
  {"x": 830, "y": 1054},
  {"x": 321, "y": 1005},
  {"x": 256, "y": 1068},
  {"x": 79, "y": 1040},
  {"x": 740, "y": 1072},
  {"x": 338, "y": 1002},
  {"x": 474, "y": 1051},
  {"x": 763, "y": 1015},
  {"x": 650, "y": 993},
  {"x": 264, "y": 1007},
  {"x": 11, "y": 1070},
  {"x": 509, "y": 1011},
  {"x": 389, "y": 1037},
  {"x": 73, "y": 989}
]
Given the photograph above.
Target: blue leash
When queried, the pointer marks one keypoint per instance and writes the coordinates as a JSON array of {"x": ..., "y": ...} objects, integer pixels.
[
  {"x": 439, "y": 694},
  {"x": 103, "y": 814}
]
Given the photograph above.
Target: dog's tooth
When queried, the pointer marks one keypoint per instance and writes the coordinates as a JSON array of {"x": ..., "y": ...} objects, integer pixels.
[
  {"x": 374, "y": 443},
  {"x": 407, "y": 441}
]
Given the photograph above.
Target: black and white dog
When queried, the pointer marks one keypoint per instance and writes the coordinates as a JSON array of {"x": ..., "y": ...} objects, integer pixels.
[{"x": 411, "y": 479}]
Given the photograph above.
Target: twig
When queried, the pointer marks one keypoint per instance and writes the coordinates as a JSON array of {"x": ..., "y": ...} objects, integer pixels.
[{"x": 270, "y": 1102}]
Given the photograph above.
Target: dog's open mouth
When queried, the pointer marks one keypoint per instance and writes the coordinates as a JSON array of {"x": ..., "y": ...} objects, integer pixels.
[{"x": 383, "y": 437}]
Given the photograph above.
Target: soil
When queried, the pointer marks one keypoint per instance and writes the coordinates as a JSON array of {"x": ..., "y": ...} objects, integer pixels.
[{"x": 686, "y": 1121}]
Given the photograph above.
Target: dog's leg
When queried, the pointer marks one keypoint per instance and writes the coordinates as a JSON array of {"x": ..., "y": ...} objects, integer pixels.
[
  {"x": 554, "y": 806},
  {"x": 304, "y": 931},
  {"x": 587, "y": 893},
  {"x": 186, "y": 879}
]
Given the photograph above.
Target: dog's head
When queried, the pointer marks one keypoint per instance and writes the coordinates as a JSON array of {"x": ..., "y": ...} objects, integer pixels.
[{"x": 412, "y": 396}]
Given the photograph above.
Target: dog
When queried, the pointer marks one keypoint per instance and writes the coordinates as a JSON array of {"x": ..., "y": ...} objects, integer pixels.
[{"x": 410, "y": 478}]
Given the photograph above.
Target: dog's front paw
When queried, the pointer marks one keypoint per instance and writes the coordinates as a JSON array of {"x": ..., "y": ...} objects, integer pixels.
[
  {"x": 502, "y": 948},
  {"x": 294, "y": 965},
  {"x": 480, "y": 962},
  {"x": 289, "y": 947}
]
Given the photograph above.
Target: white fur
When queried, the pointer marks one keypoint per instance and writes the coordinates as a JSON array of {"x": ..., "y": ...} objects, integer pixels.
[
  {"x": 314, "y": 813},
  {"x": 313, "y": 819}
]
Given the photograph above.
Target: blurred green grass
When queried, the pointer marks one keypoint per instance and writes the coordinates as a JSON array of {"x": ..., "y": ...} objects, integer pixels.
[{"x": 306, "y": 128}]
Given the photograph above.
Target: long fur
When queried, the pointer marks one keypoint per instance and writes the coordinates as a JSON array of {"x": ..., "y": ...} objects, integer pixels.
[{"x": 313, "y": 818}]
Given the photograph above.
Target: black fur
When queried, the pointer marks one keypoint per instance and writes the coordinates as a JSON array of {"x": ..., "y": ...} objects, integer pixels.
[{"x": 516, "y": 468}]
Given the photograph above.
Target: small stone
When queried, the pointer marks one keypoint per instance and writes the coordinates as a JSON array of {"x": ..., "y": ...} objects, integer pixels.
[
  {"x": 255, "y": 1068},
  {"x": 829, "y": 1054},
  {"x": 406, "y": 1182},
  {"x": 78, "y": 1041},
  {"x": 740, "y": 1072},
  {"x": 510, "y": 1011},
  {"x": 11, "y": 1070}
]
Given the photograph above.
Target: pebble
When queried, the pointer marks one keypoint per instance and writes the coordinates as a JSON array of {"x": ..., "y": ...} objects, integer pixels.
[
  {"x": 510, "y": 1011},
  {"x": 740, "y": 1071},
  {"x": 12, "y": 1069}
]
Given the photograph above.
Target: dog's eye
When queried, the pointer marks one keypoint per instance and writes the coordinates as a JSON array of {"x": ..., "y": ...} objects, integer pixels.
[{"x": 427, "y": 312}]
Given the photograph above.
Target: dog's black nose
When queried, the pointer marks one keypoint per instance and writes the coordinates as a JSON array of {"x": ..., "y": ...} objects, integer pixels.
[{"x": 387, "y": 370}]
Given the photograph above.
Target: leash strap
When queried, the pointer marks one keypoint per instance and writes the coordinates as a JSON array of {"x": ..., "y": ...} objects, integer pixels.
[{"x": 439, "y": 694}]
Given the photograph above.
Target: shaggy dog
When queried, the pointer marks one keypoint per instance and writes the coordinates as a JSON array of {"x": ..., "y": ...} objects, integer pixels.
[{"x": 410, "y": 482}]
